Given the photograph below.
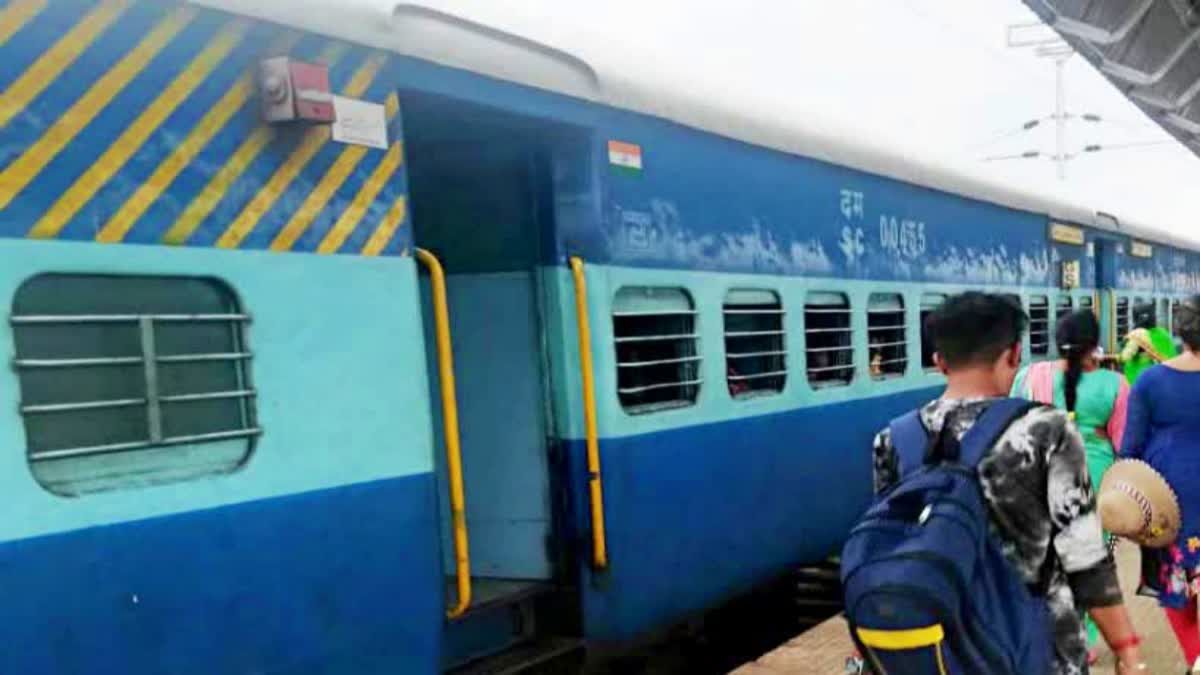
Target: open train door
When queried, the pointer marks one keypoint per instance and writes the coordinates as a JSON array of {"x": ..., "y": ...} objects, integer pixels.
[{"x": 481, "y": 190}]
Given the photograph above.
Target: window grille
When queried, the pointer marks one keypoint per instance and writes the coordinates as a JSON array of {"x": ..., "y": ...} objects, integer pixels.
[
  {"x": 658, "y": 359},
  {"x": 1122, "y": 319},
  {"x": 929, "y": 303},
  {"x": 755, "y": 349},
  {"x": 131, "y": 380},
  {"x": 1063, "y": 306},
  {"x": 887, "y": 342},
  {"x": 1039, "y": 325},
  {"x": 829, "y": 344}
]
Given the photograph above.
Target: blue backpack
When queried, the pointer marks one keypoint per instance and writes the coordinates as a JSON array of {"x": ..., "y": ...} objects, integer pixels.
[{"x": 927, "y": 589}]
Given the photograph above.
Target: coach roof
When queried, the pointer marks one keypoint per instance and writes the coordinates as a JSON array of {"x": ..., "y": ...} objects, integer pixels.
[{"x": 430, "y": 34}]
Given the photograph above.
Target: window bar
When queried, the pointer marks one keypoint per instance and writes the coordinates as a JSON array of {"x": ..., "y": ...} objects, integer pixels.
[
  {"x": 830, "y": 369},
  {"x": 757, "y": 376},
  {"x": 659, "y": 362},
  {"x": 82, "y": 405},
  {"x": 764, "y": 312},
  {"x": 125, "y": 318},
  {"x": 753, "y": 333},
  {"x": 656, "y": 338},
  {"x": 822, "y": 350},
  {"x": 881, "y": 345},
  {"x": 840, "y": 310},
  {"x": 94, "y": 450},
  {"x": 750, "y": 355},
  {"x": 676, "y": 312},
  {"x": 78, "y": 363},
  {"x": 153, "y": 407},
  {"x": 209, "y": 396},
  {"x": 664, "y": 385},
  {"x": 817, "y": 331},
  {"x": 197, "y": 358}
]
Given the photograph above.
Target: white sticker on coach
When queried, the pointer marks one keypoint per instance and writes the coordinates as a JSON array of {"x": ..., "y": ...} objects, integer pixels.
[{"x": 360, "y": 123}]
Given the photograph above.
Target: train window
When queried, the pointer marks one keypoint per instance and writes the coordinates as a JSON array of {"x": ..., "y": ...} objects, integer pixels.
[
  {"x": 1063, "y": 306},
  {"x": 1086, "y": 302},
  {"x": 755, "y": 353},
  {"x": 886, "y": 335},
  {"x": 1122, "y": 319},
  {"x": 829, "y": 344},
  {"x": 131, "y": 380},
  {"x": 1174, "y": 309},
  {"x": 929, "y": 302},
  {"x": 658, "y": 360},
  {"x": 1039, "y": 325},
  {"x": 1164, "y": 313}
]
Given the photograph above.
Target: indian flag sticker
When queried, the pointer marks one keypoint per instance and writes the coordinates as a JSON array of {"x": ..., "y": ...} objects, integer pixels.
[{"x": 625, "y": 157}]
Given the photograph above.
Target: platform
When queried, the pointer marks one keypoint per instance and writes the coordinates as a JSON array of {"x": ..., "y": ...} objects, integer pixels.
[{"x": 823, "y": 650}]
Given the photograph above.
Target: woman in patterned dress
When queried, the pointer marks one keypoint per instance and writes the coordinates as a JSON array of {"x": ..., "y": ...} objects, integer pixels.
[{"x": 1164, "y": 430}]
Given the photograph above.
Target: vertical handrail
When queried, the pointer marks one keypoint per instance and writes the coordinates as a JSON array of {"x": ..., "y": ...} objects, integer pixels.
[
  {"x": 1112, "y": 323},
  {"x": 458, "y": 509},
  {"x": 595, "y": 488}
]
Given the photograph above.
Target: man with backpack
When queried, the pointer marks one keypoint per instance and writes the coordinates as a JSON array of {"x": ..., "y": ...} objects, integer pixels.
[{"x": 984, "y": 548}]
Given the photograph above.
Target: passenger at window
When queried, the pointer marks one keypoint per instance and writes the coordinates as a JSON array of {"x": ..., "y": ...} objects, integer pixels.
[
  {"x": 1164, "y": 431},
  {"x": 1095, "y": 399},
  {"x": 1147, "y": 344}
]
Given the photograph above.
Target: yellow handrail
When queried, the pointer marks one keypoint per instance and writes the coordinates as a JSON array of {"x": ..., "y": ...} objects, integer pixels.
[
  {"x": 596, "y": 491},
  {"x": 458, "y": 509},
  {"x": 1112, "y": 323}
]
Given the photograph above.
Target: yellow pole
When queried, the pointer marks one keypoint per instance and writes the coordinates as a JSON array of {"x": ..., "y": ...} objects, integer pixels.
[
  {"x": 458, "y": 509},
  {"x": 595, "y": 489}
]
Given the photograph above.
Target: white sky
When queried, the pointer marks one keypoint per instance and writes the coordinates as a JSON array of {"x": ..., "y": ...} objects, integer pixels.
[{"x": 932, "y": 76}]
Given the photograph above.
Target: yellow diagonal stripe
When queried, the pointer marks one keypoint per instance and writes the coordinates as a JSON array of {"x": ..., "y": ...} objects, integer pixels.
[
  {"x": 358, "y": 208},
  {"x": 18, "y": 13},
  {"x": 211, "y": 194},
  {"x": 138, "y": 132},
  {"x": 55, "y": 60},
  {"x": 213, "y": 121},
  {"x": 383, "y": 234},
  {"x": 277, "y": 185},
  {"x": 25, "y": 168},
  {"x": 343, "y": 167}
]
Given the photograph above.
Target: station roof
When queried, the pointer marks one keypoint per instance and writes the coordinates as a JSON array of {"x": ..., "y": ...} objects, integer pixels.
[
  {"x": 1149, "y": 49},
  {"x": 415, "y": 29}
]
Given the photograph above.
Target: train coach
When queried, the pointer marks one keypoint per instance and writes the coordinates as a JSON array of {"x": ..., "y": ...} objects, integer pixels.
[{"x": 358, "y": 338}]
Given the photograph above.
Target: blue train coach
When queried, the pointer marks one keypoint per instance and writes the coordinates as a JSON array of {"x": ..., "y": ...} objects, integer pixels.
[{"x": 506, "y": 353}]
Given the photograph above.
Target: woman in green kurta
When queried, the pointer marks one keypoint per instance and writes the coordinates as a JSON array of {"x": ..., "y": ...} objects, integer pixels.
[
  {"x": 1094, "y": 398},
  {"x": 1146, "y": 345}
]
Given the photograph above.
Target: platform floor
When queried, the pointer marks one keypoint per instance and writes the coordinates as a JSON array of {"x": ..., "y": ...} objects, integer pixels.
[{"x": 823, "y": 650}]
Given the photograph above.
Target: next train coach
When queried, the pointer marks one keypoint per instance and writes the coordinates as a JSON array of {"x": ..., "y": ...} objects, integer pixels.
[{"x": 495, "y": 356}]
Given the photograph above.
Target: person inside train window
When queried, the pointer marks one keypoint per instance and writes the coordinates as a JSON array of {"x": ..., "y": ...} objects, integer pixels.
[
  {"x": 1164, "y": 431},
  {"x": 1034, "y": 478},
  {"x": 1147, "y": 344},
  {"x": 1095, "y": 399}
]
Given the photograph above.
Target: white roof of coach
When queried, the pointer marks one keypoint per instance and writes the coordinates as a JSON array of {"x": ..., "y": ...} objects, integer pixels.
[{"x": 454, "y": 41}]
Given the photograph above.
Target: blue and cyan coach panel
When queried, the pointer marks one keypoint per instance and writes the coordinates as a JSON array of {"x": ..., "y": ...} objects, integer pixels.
[{"x": 130, "y": 145}]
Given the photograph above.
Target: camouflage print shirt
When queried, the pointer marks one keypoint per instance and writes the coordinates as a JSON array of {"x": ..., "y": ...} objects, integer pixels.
[{"x": 1036, "y": 484}]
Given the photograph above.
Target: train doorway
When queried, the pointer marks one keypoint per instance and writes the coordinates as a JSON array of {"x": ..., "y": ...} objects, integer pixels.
[
  {"x": 482, "y": 200},
  {"x": 1103, "y": 259}
]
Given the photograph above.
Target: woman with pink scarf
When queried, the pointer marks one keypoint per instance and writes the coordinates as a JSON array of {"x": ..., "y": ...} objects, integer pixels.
[{"x": 1094, "y": 398}]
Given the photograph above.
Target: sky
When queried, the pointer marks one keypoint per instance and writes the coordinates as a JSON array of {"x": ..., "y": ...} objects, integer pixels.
[{"x": 933, "y": 77}]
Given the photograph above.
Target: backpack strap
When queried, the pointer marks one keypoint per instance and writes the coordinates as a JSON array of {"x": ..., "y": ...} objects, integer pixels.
[
  {"x": 987, "y": 429},
  {"x": 910, "y": 439}
]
